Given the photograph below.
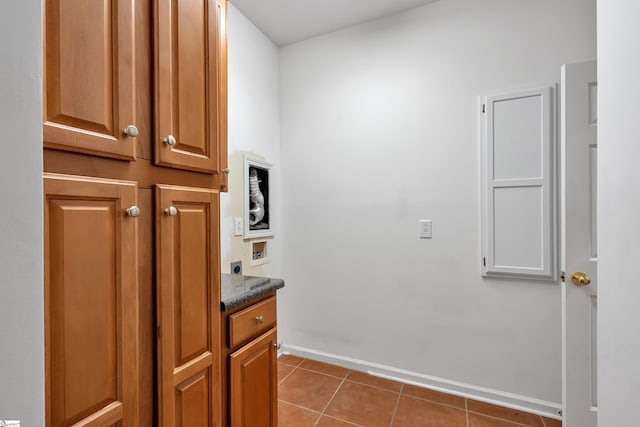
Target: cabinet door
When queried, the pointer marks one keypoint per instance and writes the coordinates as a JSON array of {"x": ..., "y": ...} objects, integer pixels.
[
  {"x": 188, "y": 280},
  {"x": 91, "y": 302},
  {"x": 222, "y": 95},
  {"x": 186, "y": 79},
  {"x": 89, "y": 76},
  {"x": 254, "y": 386}
]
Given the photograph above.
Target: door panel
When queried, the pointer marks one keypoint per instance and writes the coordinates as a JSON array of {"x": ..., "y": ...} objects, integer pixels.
[
  {"x": 89, "y": 77},
  {"x": 579, "y": 244},
  {"x": 254, "y": 389},
  {"x": 222, "y": 95},
  {"x": 186, "y": 84},
  {"x": 90, "y": 302},
  {"x": 188, "y": 278}
]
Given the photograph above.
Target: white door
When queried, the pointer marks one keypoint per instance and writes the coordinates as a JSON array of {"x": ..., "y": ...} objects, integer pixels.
[{"x": 579, "y": 255}]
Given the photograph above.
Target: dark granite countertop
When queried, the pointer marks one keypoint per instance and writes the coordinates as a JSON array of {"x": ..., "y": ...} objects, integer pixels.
[{"x": 238, "y": 290}]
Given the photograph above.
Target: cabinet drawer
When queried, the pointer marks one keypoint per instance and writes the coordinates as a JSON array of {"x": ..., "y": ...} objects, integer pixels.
[{"x": 252, "y": 321}]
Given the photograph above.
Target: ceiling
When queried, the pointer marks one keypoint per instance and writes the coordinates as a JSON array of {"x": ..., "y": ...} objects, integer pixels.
[{"x": 290, "y": 21}]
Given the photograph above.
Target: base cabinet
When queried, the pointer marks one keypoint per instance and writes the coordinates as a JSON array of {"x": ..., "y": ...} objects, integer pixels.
[
  {"x": 254, "y": 383},
  {"x": 91, "y": 302},
  {"x": 250, "y": 391}
]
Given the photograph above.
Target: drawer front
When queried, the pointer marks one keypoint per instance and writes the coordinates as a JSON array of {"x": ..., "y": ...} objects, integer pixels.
[{"x": 252, "y": 321}]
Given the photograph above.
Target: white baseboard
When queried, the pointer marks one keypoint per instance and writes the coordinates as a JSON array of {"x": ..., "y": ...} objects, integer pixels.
[{"x": 483, "y": 394}]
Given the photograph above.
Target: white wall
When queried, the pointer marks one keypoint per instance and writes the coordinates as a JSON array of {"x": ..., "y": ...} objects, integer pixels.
[
  {"x": 254, "y": 130},
  {"x": 618, "y": 218},
  {"x": 380, "y": 129},
  {"x": 21, "y": 289}
]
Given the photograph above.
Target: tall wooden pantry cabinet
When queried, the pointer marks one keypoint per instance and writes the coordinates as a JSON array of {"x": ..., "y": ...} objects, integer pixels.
[{"x": 134, "y": 161}]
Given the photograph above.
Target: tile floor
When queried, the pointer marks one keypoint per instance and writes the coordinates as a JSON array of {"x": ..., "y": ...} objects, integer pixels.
[{"x": 317, "y": 394}]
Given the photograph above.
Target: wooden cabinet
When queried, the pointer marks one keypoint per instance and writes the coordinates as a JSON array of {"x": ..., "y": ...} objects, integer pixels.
[
  {"x": 91, "y": 302},
  {"x": 89, "y": 77},
  {"x": 253, "y": 387},
  {"x": 188, "y": 288},
  {"x": 132, "y": 322},
  {"x": 100, "y": 59},
  {"x": 189, "y": 105},
  {"x": 250, "y": 398}
]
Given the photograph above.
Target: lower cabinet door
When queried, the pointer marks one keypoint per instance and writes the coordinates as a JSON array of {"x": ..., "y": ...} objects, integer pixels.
[
  {"x": 91, "y": 302},
  {"x": 254, "y": 383},
  {"x": 188, "y": 308}
]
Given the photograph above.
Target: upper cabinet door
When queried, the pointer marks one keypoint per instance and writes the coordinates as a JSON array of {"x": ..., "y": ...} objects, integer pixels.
[
  {"x": 187, "y": 107},
  {"x": 89, "y": 77},
  {"x": 222, "y": 94},
  {"x": 91, "y": 302},
  {"x": 188, "y": 292}
]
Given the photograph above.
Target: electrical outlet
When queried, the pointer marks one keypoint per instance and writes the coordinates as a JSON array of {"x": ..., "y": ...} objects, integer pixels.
[
  {"x": 237, "y": 226},
  {"x": 425, "y": 229},
  {"x": 236, "y": 267}
]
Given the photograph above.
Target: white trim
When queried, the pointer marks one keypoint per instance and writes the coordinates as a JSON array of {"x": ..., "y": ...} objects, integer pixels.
[
  {"x": 482, "y": 394},
  {"x": 248, "y": 233}
]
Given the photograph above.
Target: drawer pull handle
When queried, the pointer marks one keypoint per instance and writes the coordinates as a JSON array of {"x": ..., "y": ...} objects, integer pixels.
[{"x": 260, "y": 319}]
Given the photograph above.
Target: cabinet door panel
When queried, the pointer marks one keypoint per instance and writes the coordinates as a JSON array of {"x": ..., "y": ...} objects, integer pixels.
[
  {"x": 89, "y": 76},
  {"x": 222, "y": 94},
  {"x": 186, "y": 103},
  {"x": 188, "y": 279},
  {"x": 254, "y": 388},
  {"x": 90, "y": 302}
]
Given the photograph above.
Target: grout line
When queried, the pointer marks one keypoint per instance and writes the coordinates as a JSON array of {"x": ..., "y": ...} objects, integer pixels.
[
  {"x": 504, "y": 420},
  {"x": 322, "y": 373},
  {"x": 299, "y": 406},
  {"x": 375, "y": 386},
  {"x": 341, "y": 420},
  {"x": 395, "y": 410},
  {"x": 435, "y": 402},
  {"x": 466, "y": 410},
  {"x": 330, "y": 400},
  {"x": 288, "y": 375}
]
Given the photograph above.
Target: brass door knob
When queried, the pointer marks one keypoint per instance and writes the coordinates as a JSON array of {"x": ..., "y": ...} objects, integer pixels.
[{"x": 580, "y": 279}]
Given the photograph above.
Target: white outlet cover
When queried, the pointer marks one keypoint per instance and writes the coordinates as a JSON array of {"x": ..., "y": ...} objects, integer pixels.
[
  {"x": 424, "y": 232},
  {"x": 237, "y": 227}
]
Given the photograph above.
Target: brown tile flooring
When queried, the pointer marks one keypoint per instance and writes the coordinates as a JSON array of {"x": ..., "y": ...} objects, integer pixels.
[{"x": 317, "y": 394}]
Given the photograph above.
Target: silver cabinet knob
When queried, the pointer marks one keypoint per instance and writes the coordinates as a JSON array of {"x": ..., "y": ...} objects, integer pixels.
[
  {"x": 225, "y": 171},
  {"x": 133, "y": 211},
  {"x": 171, "y": 211},
  {"x": 131, "y": 131},
  {"x": 260, "y": 319},
  {"x": 170, "y": 140},
  {"x": 277, "y": 346}
]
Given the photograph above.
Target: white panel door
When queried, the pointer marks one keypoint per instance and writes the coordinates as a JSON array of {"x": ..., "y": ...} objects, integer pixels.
[
  {"x": 518, "y": 184},
  {"x": 579, "y": 254}
]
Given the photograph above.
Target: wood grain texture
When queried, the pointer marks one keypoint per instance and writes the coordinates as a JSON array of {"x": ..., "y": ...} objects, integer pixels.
[
  {"x": 147, "y": 305},
  {"x": 225, "y": 319},
  {"x": 222, "y": 58},
  {"x": 244, "y": 325},
  {"x": 141, "y": 171},
  {"x": 89, "y": 77},
  {"x": 186, "y": 77},
  {"x": 91, "y": 302},
  {"x": 253, "y": 383},
  {"x": 188, "y": 283}
]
